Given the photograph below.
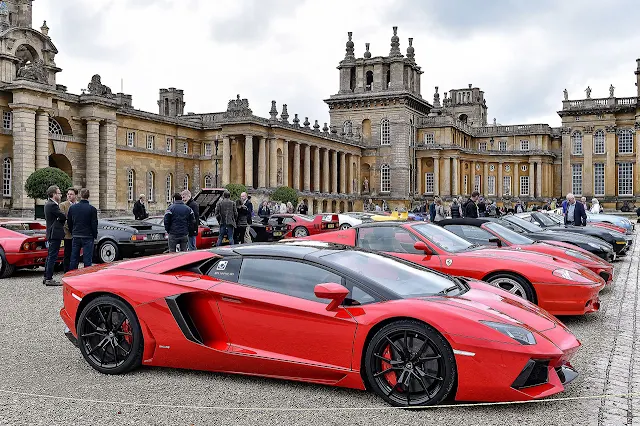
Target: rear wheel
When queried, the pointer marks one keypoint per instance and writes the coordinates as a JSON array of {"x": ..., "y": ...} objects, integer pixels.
[
  {"x": 6, "y": 269},
  {"x": 513, "y": 284},
  {"x": 108, "y": 252},
  {"x": 300, "y": 232},
  {"x": 109, "y": 336},
  {"x": 409, "y": 363},
  {"x": 345, "y": 226}
]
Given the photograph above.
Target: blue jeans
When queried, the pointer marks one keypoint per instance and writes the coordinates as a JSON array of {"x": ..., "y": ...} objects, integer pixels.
[
  {"x": 86, "y": 244},
  {"x": 225, "y": 230},
  {"x": 192, "y": 242},
  {"x": 53, "y": 247}
]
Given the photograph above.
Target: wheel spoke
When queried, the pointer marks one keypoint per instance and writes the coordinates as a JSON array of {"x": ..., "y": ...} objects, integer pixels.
[
  {"x": 104, "y": 320},
  {"x": 124, "y": 318},
  {"x": 93, "y": 325},
  {"x": 405, "y": 342},
  {"x": 429, "y": 358},
  {"x": 395, "y": 345},
  {"x": 425, "y": 374},
  {"x": 380, "y": 373},
  {"x": 115, "y": 353},
  {"x": 102, "y": 343},
  {"x": 110, "y": 316},
  {"x": 104, "y": 352},
  {"x": 123, "y": 333},
  {"x": 422, "y": 383},
  {"x": 387, "y": 360},
  {"x": 126, "y": 352},
  {"x": 94, "y": 333}
]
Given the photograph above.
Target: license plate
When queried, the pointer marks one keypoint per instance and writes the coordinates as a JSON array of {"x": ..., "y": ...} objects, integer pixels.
[
  {"x": 330, "y": 226},
  {"x": 157, "y": 236},
  {"x": 277, "y": 234}
]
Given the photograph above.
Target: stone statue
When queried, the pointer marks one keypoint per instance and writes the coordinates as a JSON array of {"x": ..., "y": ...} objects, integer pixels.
[
  {"x": 611, "y": 89},
  {"x": 355, "y": 184},
  {"x": 365, "y": 185},
  {"x": 96, "y": 87},
  {"x": 588, "y": 91},
  {"x": 494, "y": 121},
  {"x": 566, "y": 95},
  {"x": 436, "y": 97},
  {"x": 238, "y": 108},
  {"x": 34, "y": 71},
  {"x": 279, "y": 177}
]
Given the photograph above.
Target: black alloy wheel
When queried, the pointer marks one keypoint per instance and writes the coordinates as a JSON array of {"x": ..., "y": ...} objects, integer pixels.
[
  {"x": 408, "y": 363},
  {"x": 109, "y": 336}
]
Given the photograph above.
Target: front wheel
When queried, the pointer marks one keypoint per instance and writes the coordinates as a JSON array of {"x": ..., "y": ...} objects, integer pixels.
[
  {"x": 344, "y": 226},
  {"x": 108, "y": 252},
  {"x": 513, "y": 284},
  {"x": 408, "y": 363},
  {"x": 109, "y": 336},
  {"x": 300, "y": 232}
]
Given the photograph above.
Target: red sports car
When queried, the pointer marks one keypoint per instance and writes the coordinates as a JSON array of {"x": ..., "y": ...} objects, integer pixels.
[
  {"x": 321, "y": 313},
  {"x": 559, "y": 286},
  {"x": 489, "y": 233},
  {"x": 299, "y": 225},
  {"x": 22, "y": 245},
  {"x": 206, "y": 237}
]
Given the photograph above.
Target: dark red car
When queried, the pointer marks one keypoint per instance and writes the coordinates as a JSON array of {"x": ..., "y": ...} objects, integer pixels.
[
  {"x": 23, "y": 245},
  {"x": 206, "y": 237},
  {"x": 298, "y": 225}
]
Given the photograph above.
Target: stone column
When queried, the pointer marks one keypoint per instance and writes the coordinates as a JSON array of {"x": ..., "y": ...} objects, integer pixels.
[
  {"x": 499, "y": 182},
  {"x": 273, "y": 163},
  {"x": 587, "y": 165},
  {"x": 108, "y": 193},
  {"x": 93, "y": 160},
  {"x": 296, "y": 166},
  {"x": 516, "y": 178},
  {"x": 566, "y": 161},
  {"x": 420, "y": 178},
  {"x": 24, "y": 154},
  {"x": 539, "y": 180},
  {"x": 611, "y": 171},
  {"x": 532, "y": 176},
  {"x": 472, "y": 176},
  {"x": 42, "y": 141},
  {"x": 446, "y": 179},
  {"x": 262, "y": 163},
  {"x": 285, "y": 163},
  {"x": 325, "y": 172},
  {"x": 226, "y": 161},
  {"x": 248, "y": 161},
  {"x": 316, "y": 169},
  {"x": 334, "y": 172},
  {"x": 436, "y": 175},
  {"x": 350, "y": 174},
  {"x": 307, "y": 168},
  {"x": 485, "y": 180},
  {"x": 456, "y": 177},
  {"x": 343, "y": 173}
]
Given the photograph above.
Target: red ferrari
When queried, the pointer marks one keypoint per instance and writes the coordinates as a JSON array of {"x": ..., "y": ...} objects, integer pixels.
[
  {"x": 299, "y": 225},
  {"x": 338, "y": 316},
  {"x": 559, "y": 286},
  {"x": 22, "y": 245},
  {"x": 206, "y": 237},
  {"x": 489, "y": 233}
]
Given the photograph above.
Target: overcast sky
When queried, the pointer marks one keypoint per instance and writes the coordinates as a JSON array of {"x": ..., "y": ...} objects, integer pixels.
[{"x": 521, "y": 53}]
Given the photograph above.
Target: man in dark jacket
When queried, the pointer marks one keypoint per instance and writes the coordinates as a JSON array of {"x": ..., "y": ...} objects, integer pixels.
[
  {"x": 178, "y": 220},
  {"x": 470, "y": 207},
  {"x": 55, "y": 232},
  {"x": 432, "y": 211},
  {"x": 482, "y": 207},
  {"x": 139, "y": 210},
  {"x": 226, "y": 213},
  {"x": 246, "y": 201},
  {"x": 242, "y": 222},
  {"x": 72, "y": 195},
  {"x": 193, "y": 233},
  {"x": 83, "y": 224},
  {"x": 575, "y": 215},
  {"x": 303, "y": 208}
]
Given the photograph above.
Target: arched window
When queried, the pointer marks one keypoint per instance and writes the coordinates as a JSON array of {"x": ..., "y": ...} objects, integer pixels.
[
  {"x": 385, "y": 132},
  {"x": 54, "y": 127},
  {"x": 131, "y": 183},
  {"x": 598, "y": 142},
  {"x": 385, "y": 178},
  {"x": 151, "y": 186},
  {"x": 6, "y": 177},
  {"x": 185, "y": 182},
  {"x": 347, "y": 127},
  {"x": 625, "y": 142},
  {"x": 576, "y": 143},
  {"x": 207, "y": 181},
  {"x": 169, "y": 187}
]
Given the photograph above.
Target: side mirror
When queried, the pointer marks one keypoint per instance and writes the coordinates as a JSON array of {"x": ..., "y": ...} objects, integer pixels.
[
  {"x": 421, "y": 246},
  {"x": 335, "y": 292},
  {"x": 496, "y": 241}
]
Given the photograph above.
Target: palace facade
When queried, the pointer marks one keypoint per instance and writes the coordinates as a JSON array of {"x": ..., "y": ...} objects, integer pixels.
[{"x": 384, "y": 142}]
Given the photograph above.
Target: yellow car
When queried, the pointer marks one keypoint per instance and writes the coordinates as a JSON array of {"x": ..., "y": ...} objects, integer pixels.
[{"x": 395, "y": 216}]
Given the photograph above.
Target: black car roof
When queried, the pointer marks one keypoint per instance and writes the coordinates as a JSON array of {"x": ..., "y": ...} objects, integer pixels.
[
  {"x": 463, "y": 221},
  {"x": 293, "y": 249}
]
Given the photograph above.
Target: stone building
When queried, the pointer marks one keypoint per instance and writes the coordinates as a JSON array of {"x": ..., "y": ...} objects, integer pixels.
[{"x": 384, "y": 141}]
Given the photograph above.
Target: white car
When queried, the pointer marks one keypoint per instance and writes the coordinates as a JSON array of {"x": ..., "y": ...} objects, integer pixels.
[{"x": 347, "y": 220}]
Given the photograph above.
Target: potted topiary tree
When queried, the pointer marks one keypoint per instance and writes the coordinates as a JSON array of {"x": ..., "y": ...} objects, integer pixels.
[
  {"x": 235, "y": 189},
  {"x": 40, "y": 180}
]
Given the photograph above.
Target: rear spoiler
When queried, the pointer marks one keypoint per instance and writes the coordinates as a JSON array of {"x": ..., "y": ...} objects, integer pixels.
[{"x": 330, "y": 218}]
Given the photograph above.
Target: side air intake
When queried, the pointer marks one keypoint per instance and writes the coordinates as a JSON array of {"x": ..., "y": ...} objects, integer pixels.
[{"x": 183, "y": 319}]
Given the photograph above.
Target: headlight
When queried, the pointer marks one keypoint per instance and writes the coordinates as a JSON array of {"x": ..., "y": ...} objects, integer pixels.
[
  {"x": 595, "y": 246},
  {"x": 576, "y": 254},
  {"x": 519, "y": 334},
  {"x": 571, "y": 276}
]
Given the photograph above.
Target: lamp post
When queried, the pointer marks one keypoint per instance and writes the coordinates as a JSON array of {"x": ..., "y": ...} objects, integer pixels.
[{"x": 216, "y": 142}]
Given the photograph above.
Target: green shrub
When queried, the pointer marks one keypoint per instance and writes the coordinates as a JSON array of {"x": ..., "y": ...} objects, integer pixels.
[
  {"x": 40, "y": 180},
  {"x": 284, "y": 194},
  {"x": 236, "y": 189}
]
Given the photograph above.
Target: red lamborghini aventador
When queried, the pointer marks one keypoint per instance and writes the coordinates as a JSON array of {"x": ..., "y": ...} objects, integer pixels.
[{"x": 338, "y": 316}]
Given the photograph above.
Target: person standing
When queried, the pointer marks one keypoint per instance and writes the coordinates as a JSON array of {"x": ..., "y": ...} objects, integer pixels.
[
  {"x": 241, "y": 222},
  {"x": 195, "y": 208},
  {"x": 246, "y": 201},
  {"x": 432, "y": 211},
  {"x": 455, "y": 209},
  {"x": 55, "y": 232},
  {"x": 482, "y": 207},
  {"x": 139, "y": 209},
  {"x": 83, "y": 222},
  {"x": 72, "y": 194},
  {"x": 440, "y": 213},
  {"x": 178, "y": 220},
  {"x": 470, "y": 207},
  {"x": 264, "y": 210},
  {"x": 576, "y": 215},
  {"x": 303, "y": 208},
  {"x": 227, "y": 213}
]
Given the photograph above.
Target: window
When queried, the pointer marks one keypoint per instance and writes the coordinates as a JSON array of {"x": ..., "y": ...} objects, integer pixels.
[
  {"x": 299, "y": 281},
  {"x": 429, "y": 183},
  {"x": 347, "y": 127},
  {"x": 625, "y": 142},
  {"x": 151, "y": 184},
  {"x": 6, "y": 177},
  {"x": 598, "y": 179},
  {"x": 185, "y": 148},
  {"x": 185, "y": 182},
  {"x": 54, "y": 127},
  {"x": 151, "y": 141},
  {"x": 506, "y": 186},
  {"x": 482, "y": 146},
  {"x": 470, "y": 233},
  {"x": 207, "y": 181},
  {"x": 502, "y": 145},
  {"x": 169, "y": 187},
  {"x": 207, "y": 149},
  {"x": 131, "y": 139},
  {"x": 429, "y": 138},
  {"x": 576, "y": 143},
  {"x": 524, "y": 145},
  {"x": 169, "y": 144},
  {"x": 465, "y": 185},
  {"x": 625, "y": 179},
  {"x": 476, "y": 184},
  {"x": 388, "y": 239},
  {"x": 576, "y": 179},
  {"x": 598, "y": 142},
  {"x": 7, "y": 120},
  {"x": 524, "y": 185},
  {"x": 385, "y": 132},
  {"x": 385, "y": 178},
  {"x": 131, "y": 180},
  {"x": 491, "y": 183}
]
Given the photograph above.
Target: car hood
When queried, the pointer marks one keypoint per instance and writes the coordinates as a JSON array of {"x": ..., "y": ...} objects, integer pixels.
[
  {"x": 131, "y": 225},
  {"x": 567, "y": 236},
  {"x": 539, "y": 259}
]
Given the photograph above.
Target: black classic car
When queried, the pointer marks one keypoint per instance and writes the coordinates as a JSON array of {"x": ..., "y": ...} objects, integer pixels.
[{"x": 120, "y": 238}]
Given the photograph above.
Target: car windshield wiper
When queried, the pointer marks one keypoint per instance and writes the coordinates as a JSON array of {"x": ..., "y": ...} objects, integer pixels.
[{"x": 447, "y": 290}]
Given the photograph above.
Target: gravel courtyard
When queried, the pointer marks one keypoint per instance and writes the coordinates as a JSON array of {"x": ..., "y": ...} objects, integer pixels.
[{"x": 44, "y": 380}]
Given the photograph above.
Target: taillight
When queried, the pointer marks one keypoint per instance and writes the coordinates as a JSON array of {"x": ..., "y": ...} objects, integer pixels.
[
  {"x": 25, "y": 246},
  {"x": 268, "y": 229},
  {"x": 34, "y": 246},
  {"x": 139, "y": 237}
]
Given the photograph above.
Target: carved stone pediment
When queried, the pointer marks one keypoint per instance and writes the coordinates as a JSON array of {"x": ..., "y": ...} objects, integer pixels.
[{"x": 238, "y": 108}]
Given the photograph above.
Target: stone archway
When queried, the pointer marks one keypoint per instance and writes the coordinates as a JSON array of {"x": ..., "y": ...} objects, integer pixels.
[
  {"x": 61, "y": 162},
  {"x": 334, "y": 206}
]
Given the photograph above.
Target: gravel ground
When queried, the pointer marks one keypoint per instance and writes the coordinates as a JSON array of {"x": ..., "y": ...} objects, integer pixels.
[{"x": 36, "y": 358}]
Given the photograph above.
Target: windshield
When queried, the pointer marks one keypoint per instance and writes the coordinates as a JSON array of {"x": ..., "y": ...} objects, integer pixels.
[
  {"x": 545, "y": 220},
  {"x": 444, "y": 239},
  {"x": 402, "y": 279},
  {"x": 525, "y": 224},
  {"x": 559, "y": 220},
  {"x": 306, "y": 217},
  {"x": 508, "y": 234}
]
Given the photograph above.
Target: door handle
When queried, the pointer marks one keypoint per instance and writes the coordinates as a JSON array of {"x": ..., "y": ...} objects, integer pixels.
[{"x": 230, "y": 299}]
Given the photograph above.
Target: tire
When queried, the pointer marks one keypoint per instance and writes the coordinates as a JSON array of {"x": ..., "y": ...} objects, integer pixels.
[
  {"x": 426, "y": 381},
  {"x": 6, "y": 269},
  {"x": 513, "y": 284},
  {"x": 344, "y": 226},
  {"x": 102, "y": 342},
  {"x": 108, "y": 252},
  {"x": 300, "y": 232}
]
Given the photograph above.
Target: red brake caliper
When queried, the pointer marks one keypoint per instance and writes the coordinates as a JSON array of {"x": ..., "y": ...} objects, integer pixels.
[
  {"x": 126, "y": 328},
  {"x": 391, "y": 375}
]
